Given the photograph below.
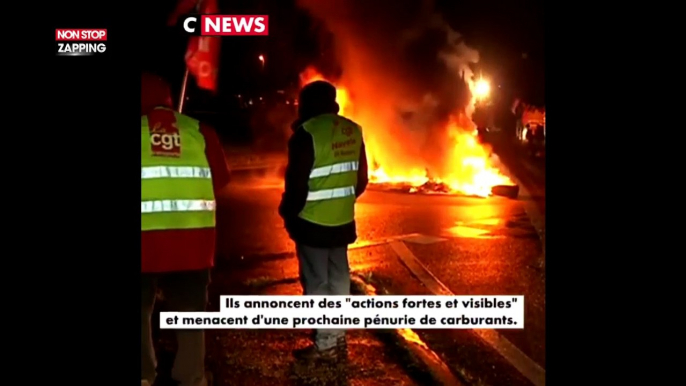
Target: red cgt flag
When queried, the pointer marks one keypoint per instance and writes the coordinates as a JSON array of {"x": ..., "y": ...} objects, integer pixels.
[{"x": 202, "y": 55}]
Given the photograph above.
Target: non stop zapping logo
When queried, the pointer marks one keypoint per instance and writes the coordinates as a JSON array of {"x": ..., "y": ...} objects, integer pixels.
[{"x": 80, "y": 42}]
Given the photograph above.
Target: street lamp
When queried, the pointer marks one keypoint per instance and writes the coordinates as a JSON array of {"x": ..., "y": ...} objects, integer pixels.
[
  {"x": 482, "y": 89},
  {"x": 261, "y": 58}
]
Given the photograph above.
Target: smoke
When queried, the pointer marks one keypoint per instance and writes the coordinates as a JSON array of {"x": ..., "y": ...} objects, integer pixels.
[{"x": 406, "y": 69}]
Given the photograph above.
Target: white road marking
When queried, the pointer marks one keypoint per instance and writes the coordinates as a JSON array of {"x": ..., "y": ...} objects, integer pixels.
[
  {"x": 411, "y": 237},
  {"x": 468, "y": 233},
  {"x": 423, "y": 239},
  {"x": 525, "y": 365}
]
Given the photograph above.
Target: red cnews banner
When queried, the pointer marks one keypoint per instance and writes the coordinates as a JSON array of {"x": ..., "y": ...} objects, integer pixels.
[{"x": 227, "y": 25}]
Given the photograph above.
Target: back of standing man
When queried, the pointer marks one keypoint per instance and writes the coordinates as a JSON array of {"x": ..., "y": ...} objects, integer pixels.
[
  {"x": 182, "y": 170},
  {"x": 326, "y": 173}
]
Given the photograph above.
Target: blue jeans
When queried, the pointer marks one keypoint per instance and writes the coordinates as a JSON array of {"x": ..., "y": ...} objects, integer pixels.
[{"x": 324, "y": 271}]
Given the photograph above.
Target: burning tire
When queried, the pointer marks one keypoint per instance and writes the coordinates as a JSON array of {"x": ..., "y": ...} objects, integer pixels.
[{"x": 509, "y": 191}]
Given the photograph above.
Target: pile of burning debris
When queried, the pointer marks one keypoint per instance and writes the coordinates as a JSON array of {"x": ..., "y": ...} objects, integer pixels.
[{"x": 437, "y": 187}]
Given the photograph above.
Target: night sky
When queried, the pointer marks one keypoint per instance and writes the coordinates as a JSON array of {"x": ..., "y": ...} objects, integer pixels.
[{"x": 508, "y": 34}]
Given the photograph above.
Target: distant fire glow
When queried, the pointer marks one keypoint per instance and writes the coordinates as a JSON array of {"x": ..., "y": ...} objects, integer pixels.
[{"x": 466, "y": 167}]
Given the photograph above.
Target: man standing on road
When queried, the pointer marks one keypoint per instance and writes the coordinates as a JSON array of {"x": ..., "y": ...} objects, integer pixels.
[
  {"x": 326, "y": 172},
  {"x": 182, "y": 169}
]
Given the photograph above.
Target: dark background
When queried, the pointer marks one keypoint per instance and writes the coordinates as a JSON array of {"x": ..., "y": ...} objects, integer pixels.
[
  {"x": 508, "y": 34},
  {"x": 84, "y": 228}
]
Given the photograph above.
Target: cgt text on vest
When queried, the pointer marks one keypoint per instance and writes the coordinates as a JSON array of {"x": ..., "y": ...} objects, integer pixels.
[{"x": 166, "y": 141}]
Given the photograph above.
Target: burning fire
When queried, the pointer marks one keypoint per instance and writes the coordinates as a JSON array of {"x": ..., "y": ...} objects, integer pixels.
[{"x": 467, "y": 168}]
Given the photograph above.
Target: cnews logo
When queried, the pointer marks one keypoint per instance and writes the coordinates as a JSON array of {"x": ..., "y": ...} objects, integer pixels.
[{"x": 227, "y": 25}]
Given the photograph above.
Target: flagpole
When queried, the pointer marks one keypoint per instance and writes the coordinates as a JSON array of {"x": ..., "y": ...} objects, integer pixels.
[{"x": 182, "y": 97}]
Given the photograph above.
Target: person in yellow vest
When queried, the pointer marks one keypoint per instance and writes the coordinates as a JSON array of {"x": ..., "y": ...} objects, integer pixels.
[
  {"x": 326, "y": 173},
  {"x": 182, "y": 169}
]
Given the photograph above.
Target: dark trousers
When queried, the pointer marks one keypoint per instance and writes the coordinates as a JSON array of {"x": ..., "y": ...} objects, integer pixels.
[
  {"x": 324, "y": 271},
  {"x": 182, "y": 291}
]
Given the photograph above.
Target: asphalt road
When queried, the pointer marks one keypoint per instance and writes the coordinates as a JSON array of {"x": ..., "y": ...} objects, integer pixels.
[
  {"x": 471, "y": 246},
  {"x": 528, "y": 170}
]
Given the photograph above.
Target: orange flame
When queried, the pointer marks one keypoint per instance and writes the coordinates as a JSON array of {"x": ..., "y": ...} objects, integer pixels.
[{"x": 467, "y": 167}]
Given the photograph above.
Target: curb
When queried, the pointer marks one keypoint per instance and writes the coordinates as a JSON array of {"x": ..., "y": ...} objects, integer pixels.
[
  {"x": 255, "y": 165},
  {"x": 258, "y": 170},
  {"x": 535, "y": 216},
  {"x": 251, "y": 160},
  {"x": 426, "y": 360}
]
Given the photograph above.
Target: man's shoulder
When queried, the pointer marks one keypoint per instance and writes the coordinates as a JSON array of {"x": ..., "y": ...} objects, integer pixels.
[
  {"x": 349, "y": 122},
  {"x": 206, "y": 128},
  {"x": 188, "y": 119},
  {"x": 330, "y": 119},
  {"x": 300, "y": 134}
]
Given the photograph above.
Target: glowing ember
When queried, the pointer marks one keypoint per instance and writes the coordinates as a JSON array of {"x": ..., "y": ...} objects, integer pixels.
[{"x": 466, "y": 169}]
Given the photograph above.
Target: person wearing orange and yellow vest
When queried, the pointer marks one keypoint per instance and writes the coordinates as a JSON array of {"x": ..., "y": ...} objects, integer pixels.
[
  {"x": 182, "y": 168},
  {"x": 326, "y": 173}
]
